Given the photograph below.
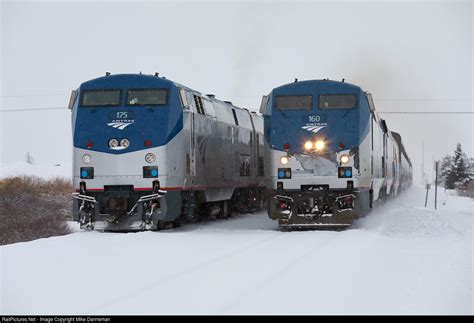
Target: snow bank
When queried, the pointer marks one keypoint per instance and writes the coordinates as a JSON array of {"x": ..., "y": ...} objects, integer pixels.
[{"x": 401, "y": 259}]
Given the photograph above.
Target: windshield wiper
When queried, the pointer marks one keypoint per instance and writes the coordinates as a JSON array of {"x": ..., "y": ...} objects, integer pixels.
[
  {"x": 145, "y": 106},
  {"x": 281, "y": 111}
]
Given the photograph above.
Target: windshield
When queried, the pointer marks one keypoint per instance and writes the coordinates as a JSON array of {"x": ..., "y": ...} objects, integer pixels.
[
  {"x": 293, "y": 102},
  {"x": 337, "y": 101},
  {"x": 100, "y": 98},
  {"x": 147, "y": 97}
]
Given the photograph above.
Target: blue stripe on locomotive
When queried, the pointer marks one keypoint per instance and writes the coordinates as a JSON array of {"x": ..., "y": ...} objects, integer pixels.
[
  {"x": 349, "y": 126},
  {"x": 160, "y": 124}
]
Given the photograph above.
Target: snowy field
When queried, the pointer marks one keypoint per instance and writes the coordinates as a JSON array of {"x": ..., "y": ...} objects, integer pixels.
[{"x": 402, "y": 259}]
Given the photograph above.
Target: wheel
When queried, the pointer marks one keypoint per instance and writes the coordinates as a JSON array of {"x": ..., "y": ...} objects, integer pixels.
[
  {"x": 225, "y": 212},
  {"x": 85, "y": 219},
  {"x": 161, "y": 225},
  {"x": 271, "y": 209},
  {"x": 371, "y": 199},
  {"x": 176, "y": 223},
  {"x": 229, "y": 209}
]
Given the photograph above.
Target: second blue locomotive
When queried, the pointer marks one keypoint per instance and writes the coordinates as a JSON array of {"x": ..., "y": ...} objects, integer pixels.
[{"x": 330, "y": 156}]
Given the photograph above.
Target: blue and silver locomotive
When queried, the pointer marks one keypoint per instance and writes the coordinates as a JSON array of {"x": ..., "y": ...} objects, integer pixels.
[
  {"x": 330, "y": 156},
  {"x": 149, "y": 152}
]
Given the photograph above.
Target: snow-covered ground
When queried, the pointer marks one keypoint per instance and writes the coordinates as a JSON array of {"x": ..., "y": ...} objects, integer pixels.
[
  {"x": 44, "y": 170},
  {"x": 401, "y": 259}
]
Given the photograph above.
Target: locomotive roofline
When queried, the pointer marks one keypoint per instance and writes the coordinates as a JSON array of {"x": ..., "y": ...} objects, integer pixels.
[
  {"x": 349, "y": 85},
  {"x": 86, "y": 84}
]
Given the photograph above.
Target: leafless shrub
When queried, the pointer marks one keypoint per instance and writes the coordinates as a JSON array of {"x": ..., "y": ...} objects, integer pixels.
[
  {"x": 468, "y": 190},
  {"x": 33, "y": 208}
]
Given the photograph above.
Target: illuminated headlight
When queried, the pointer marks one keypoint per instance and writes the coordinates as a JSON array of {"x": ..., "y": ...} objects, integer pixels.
[
  {"x": 86, "y": 159},
  {"x": 124, "y": 143},
  {"x": 319, "y": 145},
  {"x": 113, "y": 143},
  {"x": 284, "y": 160},
  {"x": 308, "y": 145},
  {"x": 344, "y": 159},
  {"x": 150, "y": 158}
]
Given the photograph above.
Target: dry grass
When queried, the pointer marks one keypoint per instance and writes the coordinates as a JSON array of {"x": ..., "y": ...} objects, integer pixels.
[{"x": 33, "y": 208}]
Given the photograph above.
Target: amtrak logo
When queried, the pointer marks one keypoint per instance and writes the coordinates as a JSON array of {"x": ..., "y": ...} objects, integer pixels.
[
  {"x": 313, "y": 129},
  {"x": 120, "y": 125}
]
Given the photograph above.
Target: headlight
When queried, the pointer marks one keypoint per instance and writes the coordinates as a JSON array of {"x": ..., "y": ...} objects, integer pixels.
[
  {"x": 319, "y": 145},
  {"x": 113, "y": 143},
  {"x": 344, "y": 159},
  {"x": 124, "y": 143},
  {"x": 150, "y": 158},
  {"x": 86, "y": 159},
  {"x": 308, "y": 145},
  {"x": 284, "y": 160}
]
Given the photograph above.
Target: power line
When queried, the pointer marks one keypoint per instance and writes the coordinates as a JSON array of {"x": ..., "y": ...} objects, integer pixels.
[
  {"x": 421, "y": 100},
  {"x": 380, "y": 112},
  {"x": 33, "y": 109},
  {"x": 426, "y": 112},
  {"x": 242, "y": 96},
  {"x": 32, "y": 95}
]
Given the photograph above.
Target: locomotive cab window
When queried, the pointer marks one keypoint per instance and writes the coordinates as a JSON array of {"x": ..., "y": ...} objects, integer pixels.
[
  {"x": 100, "y": 98},
  {"x": 337, "y": 101},
  {"x": 72, "y": 99},
  {"x": 147, "y": 97},
  {"x": 293, "y": 102},
  {"x": 184, "y": 99},
  {"x": 263, "y": 105}
]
